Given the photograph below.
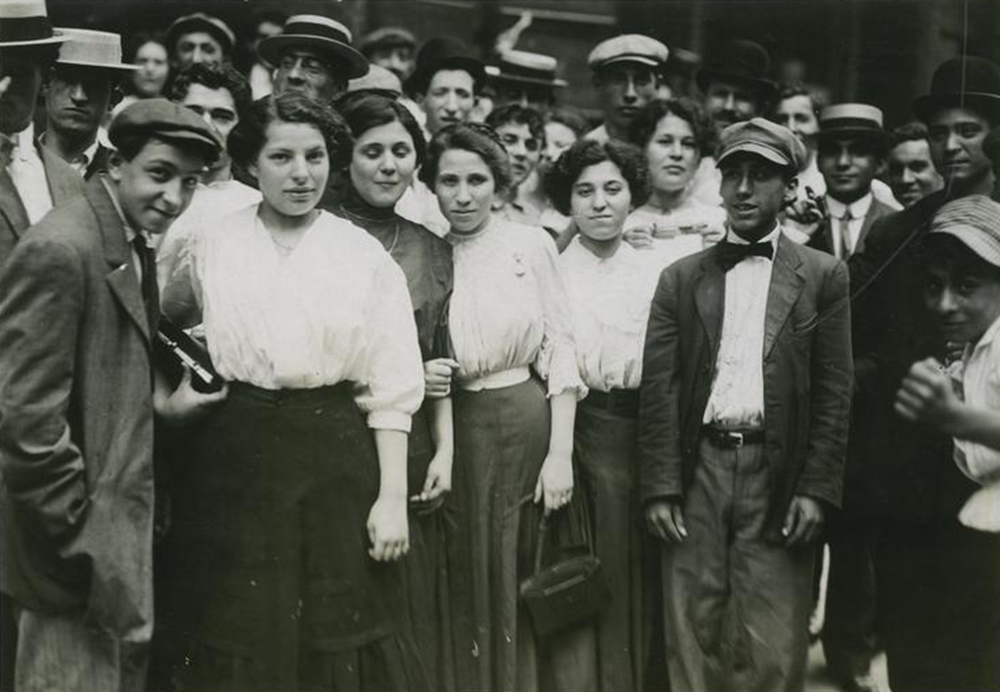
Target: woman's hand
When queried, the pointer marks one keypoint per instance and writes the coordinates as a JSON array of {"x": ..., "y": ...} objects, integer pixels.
[
  {"x": 437, "y": 377},
  {"x": 438, "y": 480},
  {"x": 388, "y": 530},
  {"x": 555, "y": 481},
  {"x": 639, "y": 237}
]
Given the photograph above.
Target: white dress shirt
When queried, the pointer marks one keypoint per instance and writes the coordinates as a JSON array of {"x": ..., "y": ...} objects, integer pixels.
[
  {"x": 609, "y": 301},
  {"x": 28, "y": 173},
  {"x": 981, "y": 390},
  {"x": 737, "y": 398},
  {"x": 858, "y": 210},
  {"x": 336, "y": 308}
]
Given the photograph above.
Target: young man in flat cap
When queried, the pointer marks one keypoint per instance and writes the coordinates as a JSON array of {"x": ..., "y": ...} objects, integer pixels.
[
  {"x": 625, "y": 76},
  {"x": 744, "y": 404},
  {"x": 393, "y": 48},
  {"x": 32, "y": 179},
  {"x": 928, "y": 567},
  {"x": 78, "y": 95},
  {"x": 199, "y": 37},
  {"x": 78, "y": 311}
]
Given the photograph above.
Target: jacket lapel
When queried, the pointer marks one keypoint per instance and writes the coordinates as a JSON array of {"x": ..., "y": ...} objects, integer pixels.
[
  {"x": 875, "y": 212},
  {"x": 64, "y": 182},
  {"x": 11, "y": 206},
  {"x": 121, "y": 278},
  {"x": 786, "y": 284},
  {"x": 710, "y": 298}
]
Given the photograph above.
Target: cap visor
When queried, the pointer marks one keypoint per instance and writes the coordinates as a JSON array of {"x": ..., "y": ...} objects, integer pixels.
[
  {"x": 641, "y": 59},
  {"x": 98, "y": 66},
  {"x": 761, "y": 150},
  {"x": 976, "y": 240}
]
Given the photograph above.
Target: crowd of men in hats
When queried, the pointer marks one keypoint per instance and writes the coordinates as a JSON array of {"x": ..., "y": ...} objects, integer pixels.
[{"x": 812, "y": 421}]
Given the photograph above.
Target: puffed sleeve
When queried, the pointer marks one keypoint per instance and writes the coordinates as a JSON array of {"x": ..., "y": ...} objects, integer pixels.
[
  {"x": 556, "y": 359},
  {"x": 394, "y": 389},
  {"x": 178, "y": 273}
]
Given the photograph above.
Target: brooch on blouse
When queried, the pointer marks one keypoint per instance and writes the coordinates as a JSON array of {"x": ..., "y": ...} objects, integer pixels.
[{"x": 519, "y": 269}]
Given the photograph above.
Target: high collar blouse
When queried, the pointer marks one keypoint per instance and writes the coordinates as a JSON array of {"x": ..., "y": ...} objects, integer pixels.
[
  {"x": 509, "y": 307},
  {"x": 336, "y": 308},
  {"x": 609, "y": 301}
]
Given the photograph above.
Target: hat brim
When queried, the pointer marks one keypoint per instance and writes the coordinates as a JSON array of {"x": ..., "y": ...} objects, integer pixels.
[
  {"x": 973, "y": 239},
  {"x": 924, "y": 106},
  {"x": 99, "y": 66},
  {"x": 640, "y": 59},
  {"x": 759, "y": 149},
  {"x": 418, "y": 81},
  {"x": 52, "y": 41},
  {"x": 880, "y": 136},
  {"x": 517, "y": 79},
  {"x": 765, "y": 88},
  {"x": 271, "y": 47}
]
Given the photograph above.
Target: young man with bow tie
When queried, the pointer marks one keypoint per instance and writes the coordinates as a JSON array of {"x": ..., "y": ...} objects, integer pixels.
[{"x": 743, "y": 421}]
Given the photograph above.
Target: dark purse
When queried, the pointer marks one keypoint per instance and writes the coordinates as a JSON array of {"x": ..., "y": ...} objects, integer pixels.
[
  {"x": 174, "y": 350},
  {"x": 566, "y": 592}
]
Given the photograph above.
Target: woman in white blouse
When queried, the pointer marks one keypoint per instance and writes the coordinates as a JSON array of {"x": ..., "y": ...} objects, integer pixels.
[
  {"x": 672, "y": 223},
  {"x": 610, "y": 287},
  {"x": 508, "y": 316},
  {"x": 291, "y": 511}
]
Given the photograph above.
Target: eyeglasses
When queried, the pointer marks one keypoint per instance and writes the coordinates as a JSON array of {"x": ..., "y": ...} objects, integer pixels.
[{"x": 311, "y": 65}]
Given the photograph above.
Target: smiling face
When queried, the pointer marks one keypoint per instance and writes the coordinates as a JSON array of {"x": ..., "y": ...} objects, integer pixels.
[
  {"x": 156, "y": 186},
  {"x": 796, "y": 113},
  {"x": 449, "y": 99},
  {"x": 672, "y": 154},
  {"x": 464, "y": 187},
  {"x": 622, "y": 89},
  {"x": 956, "y": 141},
  {"x": 151, "y": 76},
  {"x": 522, "y": 147},
  {"x": 848, "y": 164},
  {"x": 963, "y": 293},
  {"x": 912, "y": 175},
  {"x": 753, "y": 192},
  {"x": 76, "y": 98},
  {"x": 382, "y": 164},
  {"x": 292, "y": 168},
  {"x": 600, "y": 201}
]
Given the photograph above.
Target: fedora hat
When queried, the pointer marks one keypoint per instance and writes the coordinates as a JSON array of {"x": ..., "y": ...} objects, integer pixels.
[
  {"x": 855, "y": 120},
  {"x": 199, "y": 21},
  {"x": 98, "y": 49},
  {"x": 26, "y": 23},
  {"x": 444, "y": 53},
  {"x": 522, "y": 67},
  {"x": 741, "y": 61},
  {"x": 318, "y": 33},
  {"x": 963, "y": 81}
]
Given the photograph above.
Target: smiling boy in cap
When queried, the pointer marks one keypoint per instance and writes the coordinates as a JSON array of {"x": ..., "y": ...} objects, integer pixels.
[
  {"x": 744, "y": 405},
  {"x": 78, "y": 311},
  {"x": 626, "y": 74}
]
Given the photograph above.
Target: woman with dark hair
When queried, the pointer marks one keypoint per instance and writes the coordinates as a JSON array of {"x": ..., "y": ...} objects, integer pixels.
[
  {"x": 513, "y": 430},
  {"x": 388, "y": 148},
  {"x": 610, "y": 286},
  {"x": 673, "y": 223},
  {"x": 564, "y": 125},
  {"x": 291, "y": 509},
  {"x": 148, "y": 50}
]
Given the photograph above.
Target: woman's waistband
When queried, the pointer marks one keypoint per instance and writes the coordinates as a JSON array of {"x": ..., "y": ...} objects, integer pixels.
[
  {"x": 291, "y": 397},
  {"x": 619, "y": 402},
  {"x": 497, "y": 380}
]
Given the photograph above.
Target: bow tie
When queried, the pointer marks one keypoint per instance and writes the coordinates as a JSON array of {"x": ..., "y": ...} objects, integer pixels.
[{"x": 730, "y": 254}]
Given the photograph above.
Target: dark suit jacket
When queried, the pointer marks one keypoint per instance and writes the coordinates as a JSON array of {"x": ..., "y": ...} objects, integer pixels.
[
  {"x": 908, "y": 473},
  {"x": 807, "y": 375},
  {"x": 76, "y": 421},
  {"x": 822, "y": 239},
  {"x": 64, "y": 184}
]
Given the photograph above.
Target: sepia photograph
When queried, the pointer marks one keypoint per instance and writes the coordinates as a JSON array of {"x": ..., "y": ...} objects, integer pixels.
[{"x": 499, "y": 345}]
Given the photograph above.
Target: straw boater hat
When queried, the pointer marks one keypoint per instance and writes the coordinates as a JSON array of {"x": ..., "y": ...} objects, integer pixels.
[
  {"x": 26, "y": 23},
  {"x": 98, "y": 49},
  {"x": 522, "y": 67},
  {"x": 199, "y": 21},
  {"x": 318, "y": 33},
  {"x": 959, "y": 82},
  {"x": 855, "y": 120}
]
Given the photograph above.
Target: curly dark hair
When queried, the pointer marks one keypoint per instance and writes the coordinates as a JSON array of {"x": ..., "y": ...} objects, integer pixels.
[
  {"x": 688, "y": 110},
  {"x": 519, "y": 115},
  {"x": 366, "y": 111},
  {"x": 913, "y": 131},
  {"x": 472, "y": 137},
  {"x": 585, "y": 153},
  {"x": 213, "y": 76},
  {"x": 248, "y": 137}
]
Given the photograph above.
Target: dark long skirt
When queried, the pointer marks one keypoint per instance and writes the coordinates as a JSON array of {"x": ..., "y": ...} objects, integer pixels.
[
  {"x": 269, "y": 582},
  {"x": 501, "y": 440},
  {"x": 605, "y": 452}
]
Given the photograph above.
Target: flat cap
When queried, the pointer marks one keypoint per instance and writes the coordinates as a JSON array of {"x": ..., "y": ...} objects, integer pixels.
[
  {"x": 168, "y": 121},
  {"x": 628, "y": 48},
  {"x": 974, "y": 220},
  {"x": 386, "y": 37},
  {"x": 768, "y": 140}
]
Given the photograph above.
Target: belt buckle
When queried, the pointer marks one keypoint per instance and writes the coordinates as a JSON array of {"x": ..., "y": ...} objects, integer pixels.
[{"x": 735, "y": 439}]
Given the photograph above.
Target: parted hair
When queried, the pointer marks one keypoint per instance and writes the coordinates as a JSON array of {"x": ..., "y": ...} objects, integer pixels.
[
  {"x": 688, "y": 110},
  {"x": 248, "y": 137},
  {"x": 477, "y": 138},
  {"x": 366, "y": 111},
  {"x": 584, "y": 153}
]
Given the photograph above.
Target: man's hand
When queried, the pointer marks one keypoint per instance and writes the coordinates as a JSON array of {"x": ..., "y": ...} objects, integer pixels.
[
  {"x": 803, "y": 521},
  {"x": 185, "y": 405},
  {"x": 927, "y": 396},
  {"x": 437, "y": 377},
  {"x": 665, "y": 520}
]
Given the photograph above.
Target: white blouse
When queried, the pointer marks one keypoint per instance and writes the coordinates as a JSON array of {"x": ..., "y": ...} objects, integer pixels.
[
  {"x": 509, "y": 307},
  {"x": 609, "y": 301},
  {"x": 335, "y": 309},
  {"x": 670, "y": 242}
]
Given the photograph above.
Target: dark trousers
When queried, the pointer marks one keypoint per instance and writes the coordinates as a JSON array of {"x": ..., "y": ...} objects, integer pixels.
[{"x": 939, "y": 606}]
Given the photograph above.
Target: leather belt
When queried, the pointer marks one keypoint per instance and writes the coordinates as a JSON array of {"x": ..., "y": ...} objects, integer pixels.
[
  {"x": 731, "y": 439},
  {"x": 620, "y": 402}
]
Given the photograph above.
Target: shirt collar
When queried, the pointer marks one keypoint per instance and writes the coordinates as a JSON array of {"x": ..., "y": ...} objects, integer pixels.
[
  {"x": 771, "y": 237},
  {"x": 985, "y": 341},
  {"x": 24, "y": 144},
  {"x": 859, "y": 207}
]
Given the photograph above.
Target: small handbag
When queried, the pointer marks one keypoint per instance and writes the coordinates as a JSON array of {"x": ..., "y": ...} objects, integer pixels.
[
  {"x": 566, "y": 592},
  {"x": 174, "y": 350}
]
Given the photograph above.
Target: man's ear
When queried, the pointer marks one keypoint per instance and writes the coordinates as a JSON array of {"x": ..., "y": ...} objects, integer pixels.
[
  {"x": 115, "y": 163},
  {"x": 791, "y": 189}
]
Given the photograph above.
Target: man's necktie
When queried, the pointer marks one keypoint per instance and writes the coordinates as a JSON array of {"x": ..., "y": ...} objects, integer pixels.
[
  {"x": 730, "y": 254},
  {"x": 845, "y": 235},
  {"x": 150, "y": 290}
]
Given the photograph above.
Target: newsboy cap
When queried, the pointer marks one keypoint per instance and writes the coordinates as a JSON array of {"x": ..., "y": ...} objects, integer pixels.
[
  {"x": 763, "y": 138},
  {"x": 628, "y": 48},
  {"x": 165, "y": 120},
  {"x": 974, "y": 220}
]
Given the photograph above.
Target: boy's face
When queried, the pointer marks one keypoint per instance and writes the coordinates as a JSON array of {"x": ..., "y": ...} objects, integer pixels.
[
  {"x": 753, "y": 192},
  {"x": 156, "y": 186},
  {"x": 964, "y": 296},
  {"x": 848, "y": 164}
]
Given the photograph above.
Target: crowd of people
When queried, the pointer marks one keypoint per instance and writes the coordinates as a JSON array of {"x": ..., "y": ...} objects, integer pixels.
[{"x": 721, "y": 371}]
